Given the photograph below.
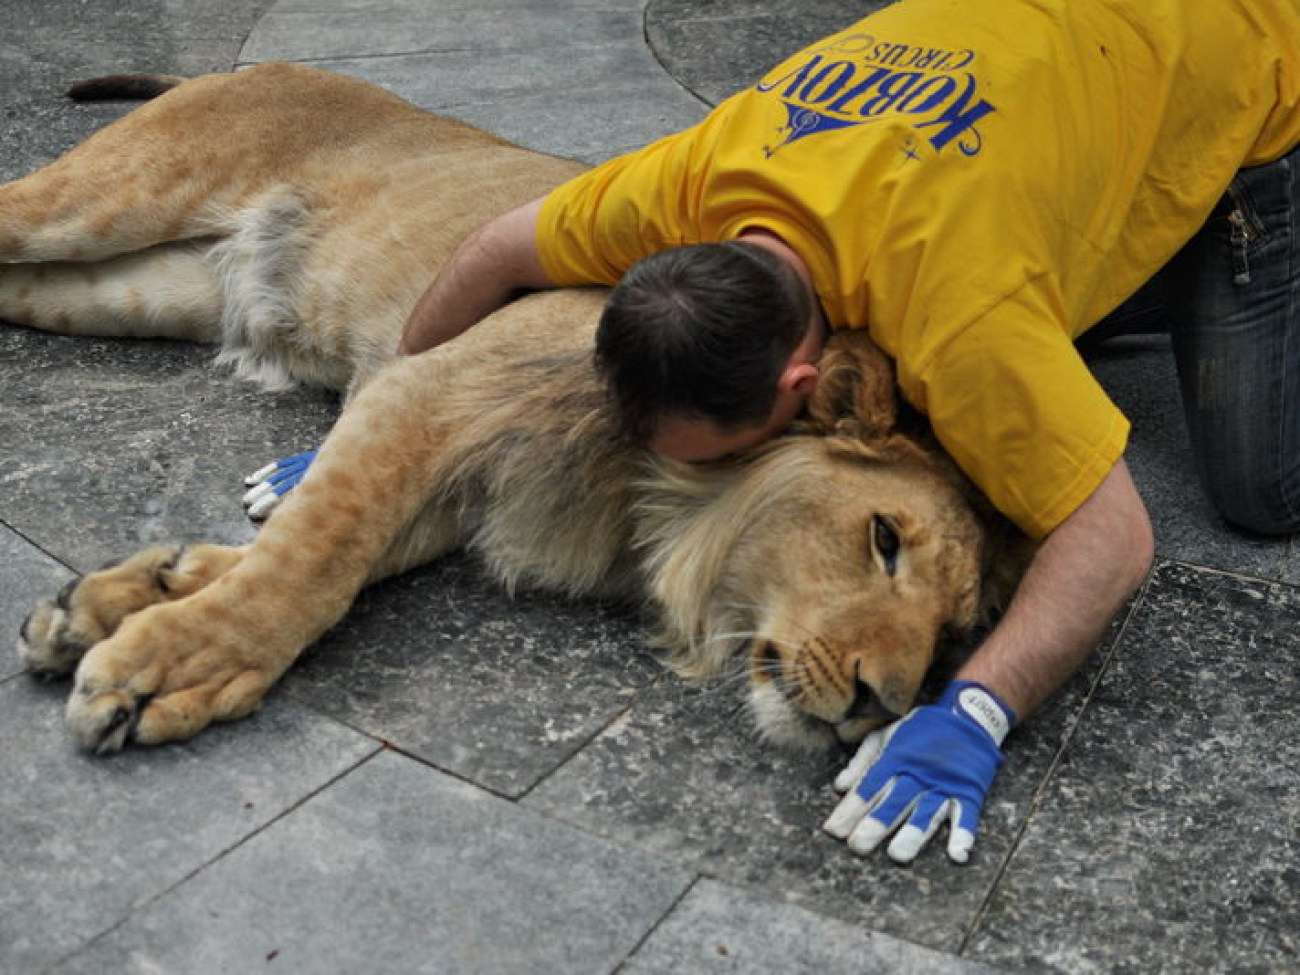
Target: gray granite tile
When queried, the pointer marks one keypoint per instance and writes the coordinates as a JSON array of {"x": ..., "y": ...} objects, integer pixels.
[
  {"x": 1139, "y": 375},
  {"x": 444, "y": 665},
  {"x": 413, "y": 26},
  {"x": 396, "y": 868},
  {"x": 111, "y": 445},
  {"x": 442, "y": 80},
  {"x": 26, "y": 575},
  {"x": 1168, "y": 841},
  {"x": 589, "y": 104},
  {"x": 417, "y": 8},
  {"x": 683, "y": 775},
  {"x": 1291, "y": 563},
  {"x": 716, "y": 47},
  {"x": 46, "y": 45},
  {"x": 720, "y": 929},
  {"x": 86, "y": 841},
  {"x": 591, "y": 131}
]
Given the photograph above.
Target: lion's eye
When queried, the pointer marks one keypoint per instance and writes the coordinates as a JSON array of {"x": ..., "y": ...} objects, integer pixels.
[{"x": 885, "y": 541}]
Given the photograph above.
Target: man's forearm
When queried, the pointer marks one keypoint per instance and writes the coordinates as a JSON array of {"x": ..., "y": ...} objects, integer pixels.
[
  {"x": 484, "y": 272},
  {"x": 456, "y": 300},
  {"x": 1077, "y": 582}
]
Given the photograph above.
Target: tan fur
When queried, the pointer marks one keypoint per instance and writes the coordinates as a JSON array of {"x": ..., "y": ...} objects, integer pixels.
[{"x": 294, "y": 216}]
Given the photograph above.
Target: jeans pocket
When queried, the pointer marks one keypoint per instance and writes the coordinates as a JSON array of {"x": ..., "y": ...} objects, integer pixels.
[{"x": 1246, "y": 232}]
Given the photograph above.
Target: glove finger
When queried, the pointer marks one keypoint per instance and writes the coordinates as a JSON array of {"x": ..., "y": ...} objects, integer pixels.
[
  {"x": 261, "y": 474},
  {"x": 844, "y": 817},
  {"x": 868, "y": 835},
  {"x": 965, "y": 821},
  {"x": 960, "y": 843},
  {"x": 261, "y": 509},
  {"x": 926, "y": 818},
  {"x": 858, "y": 804},
  {"x": 864, "y": 762},
  {"x": 894, "y": 806},
  {"x": 298, "y": 462},
  {"x": 287, "y": 476},
  {"x": 868, "y": 751},
  {"x": 256, "y": 494}
]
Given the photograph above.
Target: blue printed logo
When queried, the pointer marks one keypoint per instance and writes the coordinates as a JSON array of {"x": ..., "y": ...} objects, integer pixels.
[{"x": 856, "y": 80}]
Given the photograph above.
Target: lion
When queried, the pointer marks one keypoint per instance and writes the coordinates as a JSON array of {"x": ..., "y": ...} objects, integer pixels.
[{"x": 292, "y": 217}]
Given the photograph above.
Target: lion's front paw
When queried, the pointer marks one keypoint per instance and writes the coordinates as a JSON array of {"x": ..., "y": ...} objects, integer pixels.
[
  {"x": 59, "y": 631},
  {"x": 158, "y": 679},
  {"x": 104, "y": 721},
  {"x": 51, "y": 639}
]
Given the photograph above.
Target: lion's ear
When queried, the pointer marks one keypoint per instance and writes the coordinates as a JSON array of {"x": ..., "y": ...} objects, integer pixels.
[{"x": 855, "y": 392}]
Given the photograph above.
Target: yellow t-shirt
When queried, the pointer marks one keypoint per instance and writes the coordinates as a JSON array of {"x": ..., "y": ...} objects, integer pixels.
[{"x": 977, "y": 182}]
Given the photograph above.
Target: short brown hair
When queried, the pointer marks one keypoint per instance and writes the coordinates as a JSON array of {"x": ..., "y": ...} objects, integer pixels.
[{"x": 702, "y": 332}]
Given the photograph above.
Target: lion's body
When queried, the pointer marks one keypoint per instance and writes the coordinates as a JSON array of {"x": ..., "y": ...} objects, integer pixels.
[
  {"x": 237, "y": 196},
  {"x": 293, "y": 217}
]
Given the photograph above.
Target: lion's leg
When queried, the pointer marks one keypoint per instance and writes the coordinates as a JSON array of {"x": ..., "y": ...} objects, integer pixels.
[
  {"x": 176, "y": 167},
  {"x": 173, "y": 169},
  {"x": 166, "y": 291},
  {"x": 431, "y": 535},
  {"x": 173, "y": 668},
  {"x": 122, "y": 190},
  {"x": 59, "y": 631}
]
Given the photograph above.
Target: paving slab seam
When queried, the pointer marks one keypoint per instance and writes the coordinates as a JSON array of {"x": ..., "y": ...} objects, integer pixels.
[
  {"x": 1067, "y": 737},
  {"x": 384, "y": 56},
  {"x": 654, "y": 928},
  {"x": 384, "y": 745},
  {"x": 39, "y": 547},
  {"x": 707, "y": 103},
  {"x": 458, "y": 49},
  {"x": 1241, "y": 575},
  {"x": 149, "y": 902},
  {"x": 597, "y": 733}
]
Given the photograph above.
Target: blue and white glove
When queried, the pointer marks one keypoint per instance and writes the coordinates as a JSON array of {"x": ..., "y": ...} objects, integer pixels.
[
  {"x": 934, "y": 765},
  {"x": 273, "y": 482}
]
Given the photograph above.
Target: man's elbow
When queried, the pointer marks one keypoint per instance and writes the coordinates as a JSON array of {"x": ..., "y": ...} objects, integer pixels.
[{"x": 1139, "y": 548}]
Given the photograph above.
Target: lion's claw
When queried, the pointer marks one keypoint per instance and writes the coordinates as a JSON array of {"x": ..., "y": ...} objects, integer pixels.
[
  {"x": 103, "y": 722},
  {"x": 48, "y": 644},
  {"x": 59, "y": 632}
]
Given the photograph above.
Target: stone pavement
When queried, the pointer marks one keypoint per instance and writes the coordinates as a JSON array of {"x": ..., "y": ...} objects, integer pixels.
[{"x": 456, "y": 782}]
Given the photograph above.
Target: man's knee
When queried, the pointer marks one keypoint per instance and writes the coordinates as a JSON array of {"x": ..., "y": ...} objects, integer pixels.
[{"x": 1264, "y": 502}]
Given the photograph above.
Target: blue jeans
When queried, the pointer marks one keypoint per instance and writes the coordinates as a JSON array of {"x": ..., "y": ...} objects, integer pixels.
[{"x": 1232, "y": 296}]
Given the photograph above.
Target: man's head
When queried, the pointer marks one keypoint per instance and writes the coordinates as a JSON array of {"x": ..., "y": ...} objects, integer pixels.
[{"x": 708, "y": 349}]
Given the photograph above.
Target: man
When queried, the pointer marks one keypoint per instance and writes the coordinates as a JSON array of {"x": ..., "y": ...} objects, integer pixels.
[{"x": 977, "y": 184}]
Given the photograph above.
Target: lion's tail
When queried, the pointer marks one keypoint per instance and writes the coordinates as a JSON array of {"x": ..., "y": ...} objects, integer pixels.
[{"x": 136, "y": 87}]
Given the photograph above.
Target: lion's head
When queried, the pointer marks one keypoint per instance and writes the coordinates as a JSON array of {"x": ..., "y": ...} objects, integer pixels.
[{"x": 835, "y": 561}]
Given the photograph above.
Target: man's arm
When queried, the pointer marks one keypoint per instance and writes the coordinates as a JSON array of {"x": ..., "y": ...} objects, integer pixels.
[
  {"x": 937, "y": 764},
  {"x": 1076, "y": 583},
  {"x": 485, "y": 271}
]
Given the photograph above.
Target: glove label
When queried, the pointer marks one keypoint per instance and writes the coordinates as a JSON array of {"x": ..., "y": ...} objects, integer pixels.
[{"x": 980, "y": 706}]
